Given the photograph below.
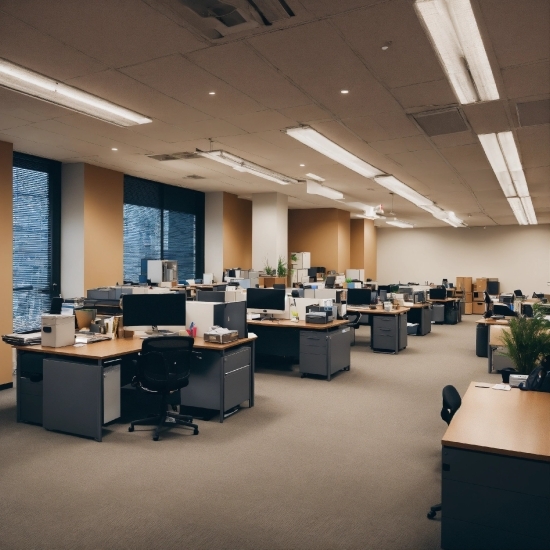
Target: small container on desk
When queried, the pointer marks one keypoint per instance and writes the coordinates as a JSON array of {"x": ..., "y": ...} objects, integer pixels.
[{"x": 223, "y": 338}]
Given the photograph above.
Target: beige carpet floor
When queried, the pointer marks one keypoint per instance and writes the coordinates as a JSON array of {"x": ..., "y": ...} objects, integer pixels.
[{"x": 353, "y": 463}]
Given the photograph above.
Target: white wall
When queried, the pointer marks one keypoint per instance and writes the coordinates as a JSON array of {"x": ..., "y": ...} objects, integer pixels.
[
  {"x": 519, "y": 256},
  {"x": 213, "y": 234},
  {"x": 72, "y": 230}
]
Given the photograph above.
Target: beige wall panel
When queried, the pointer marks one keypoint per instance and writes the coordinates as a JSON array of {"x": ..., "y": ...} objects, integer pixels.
[
  {"x": 6, "y": 257},
  {"x": 343, "y": 240},
  {"x": 315, "y": 231},
  {"x": 363, "y": 247},
  {"x": 237, "y": 232},
  {"x": 103, "y": 226},
  {"x": 371, "y": 250}
]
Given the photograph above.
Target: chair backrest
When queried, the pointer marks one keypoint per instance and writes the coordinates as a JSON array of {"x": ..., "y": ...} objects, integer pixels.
[
  {"x": 279, "y": 286},
  {"x": 451, "y": 403},
  {"x": 164, "y": 364}
]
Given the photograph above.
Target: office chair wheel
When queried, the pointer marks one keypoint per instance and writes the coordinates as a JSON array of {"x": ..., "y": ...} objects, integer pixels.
[
  {"x": 155, "y": 438},
  {"x": 130, "y": 428},
  {"x": 431, "y": 514},
  {"x": 195, "y": 431}
]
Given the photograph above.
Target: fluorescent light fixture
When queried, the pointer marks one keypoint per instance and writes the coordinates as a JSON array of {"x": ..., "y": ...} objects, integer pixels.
[
  {"x": 452, "y": 219},
  {"x": 455, "y": 35},
  {"x": 315, "y": 177},
  {"x": 36, "y": 85},
  {"x": 399, "y": 223},
  {"x": 242, "y": 165},
  {"x": 314, "y": 188},
  {"x": 399, "y": 188},
  {"x": 504, "y": 159},
  {"x": 434, "y": 210},
  {"x": 517, "y": 209},
  {"x": 310, "y": 137}
]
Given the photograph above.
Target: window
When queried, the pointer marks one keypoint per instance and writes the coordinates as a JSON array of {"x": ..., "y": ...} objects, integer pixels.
[
  {"x": 162, "y": 222},
  {"x": 36, "y": 238}
]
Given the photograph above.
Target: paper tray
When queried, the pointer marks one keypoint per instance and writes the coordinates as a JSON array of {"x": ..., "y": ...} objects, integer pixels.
[{"x": 230, "y": 336}]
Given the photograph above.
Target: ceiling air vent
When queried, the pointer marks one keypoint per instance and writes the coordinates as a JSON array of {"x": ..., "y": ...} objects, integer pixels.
[
  {"x": 218, "y": 18},
  {"x": 175, "y": 156},
  {"x": 534, "y": 113},
  {"x": 436, "y": 123}
]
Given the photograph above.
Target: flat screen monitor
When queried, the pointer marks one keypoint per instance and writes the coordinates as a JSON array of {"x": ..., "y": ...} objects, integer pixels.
[
  {"x": 153, "y": 310},
  {"x": 359, "y": 296},
  {"x": 438, "y": 293},
  {"x": 211, "y": 296},
  {"x": 266, "y": 300},
  {"x": 405, "y": 290},
  {"x": 387, "y": 288}
]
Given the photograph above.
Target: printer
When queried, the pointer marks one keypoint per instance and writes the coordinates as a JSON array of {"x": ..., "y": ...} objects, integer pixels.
[{"x": 320, "y": 314}]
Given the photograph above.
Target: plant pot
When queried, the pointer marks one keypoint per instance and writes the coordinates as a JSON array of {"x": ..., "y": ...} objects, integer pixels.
[{"x": 505, "y": 373}]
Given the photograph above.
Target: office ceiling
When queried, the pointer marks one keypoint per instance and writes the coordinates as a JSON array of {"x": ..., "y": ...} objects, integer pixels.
[{"x": 161, "y": 58}]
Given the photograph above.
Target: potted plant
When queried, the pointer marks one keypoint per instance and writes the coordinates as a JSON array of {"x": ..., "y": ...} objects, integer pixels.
[
  {"x": 268, "y": 270},
  {"x": 282, "y": 268},
  {"x": 527, "y": 341}
]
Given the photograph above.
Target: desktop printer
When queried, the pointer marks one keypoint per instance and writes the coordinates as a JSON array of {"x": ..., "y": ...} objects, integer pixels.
[{"x": 318, "y": 317}]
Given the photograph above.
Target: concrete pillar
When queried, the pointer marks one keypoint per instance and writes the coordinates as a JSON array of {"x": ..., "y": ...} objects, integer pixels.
[
  {"x": 269, "y": 229},
  {"x": 213, "y": 234}
]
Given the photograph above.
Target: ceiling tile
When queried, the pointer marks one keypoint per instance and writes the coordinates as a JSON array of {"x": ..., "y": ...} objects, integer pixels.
[
  {"x": 466, "y": 158},
  {"x": 487, "y": 117},
  {"x": 402, "y": 145},
  {"x": 427, "y": 95},
  {"x": 527, "y": 80},
  {"x": 244, "y": 69},
  {"x": 116, "y": 33},
  {"x": 330, "y": 7},
  {"x": 306, "y": 113},
  {"x": 534, "y": 146},
  {"x": 184, "y": 81},
  {"x": 453, "y": 140},
  {"x": 260, "y": 121}
]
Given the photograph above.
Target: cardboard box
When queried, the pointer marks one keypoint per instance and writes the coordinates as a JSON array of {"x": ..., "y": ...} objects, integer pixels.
[
  {"x": 468, "y": 308},
  {"x": 468, "y": 297},
  {"x": 478, "y": 296},
  {"x": 481, "y": 284},
  {"x": 57, "y": 330},
  {"x": 478, "y": 308},
  {"x": 464, "y": 283}
]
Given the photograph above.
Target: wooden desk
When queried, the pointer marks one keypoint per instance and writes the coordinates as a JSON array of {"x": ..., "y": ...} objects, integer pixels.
[
  {"x": 496, "y": 471},
  {"x": 319, "y": 349},
  {"x": 388, "y": 328},
  {"x": 449, "y": 303},
  {"x": 64, "y": 389}
]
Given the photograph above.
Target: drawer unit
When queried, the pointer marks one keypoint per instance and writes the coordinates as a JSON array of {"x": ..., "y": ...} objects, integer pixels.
[
  {"x": 324, "y": 353},
  {"x": 30, "y": 400}
]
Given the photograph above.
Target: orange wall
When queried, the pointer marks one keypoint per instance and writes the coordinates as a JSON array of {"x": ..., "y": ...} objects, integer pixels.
[
  {"x": 6, "y": 257},
  {"x": 363, "y": 246},
  {"x": 324, "y": 232},
  {"x": 103, "y": 226},
  {"x": 237, "y": 232}
]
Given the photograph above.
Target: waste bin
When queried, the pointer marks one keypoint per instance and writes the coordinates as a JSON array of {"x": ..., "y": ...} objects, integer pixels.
[
  {"x": 438, "y": 314},
  {"x": 482, "y": 340}
]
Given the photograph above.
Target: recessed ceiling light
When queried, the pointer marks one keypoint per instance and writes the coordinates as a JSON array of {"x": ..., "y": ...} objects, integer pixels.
[
  {"x": 386, "y": 45},
  {"x": 114, "y": 149},
  {"x": 302, "y": 164},
  {"x": 344, "y": 91},
  {"x": 211, "y": 93},
  {"x": 36, "y": 85}
]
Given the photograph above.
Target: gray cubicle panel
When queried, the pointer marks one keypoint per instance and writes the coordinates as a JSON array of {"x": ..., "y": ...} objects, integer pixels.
[{"x": 231, "y": 315}]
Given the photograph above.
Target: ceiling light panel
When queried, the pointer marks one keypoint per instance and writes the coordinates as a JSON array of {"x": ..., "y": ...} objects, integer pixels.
[
  {"x": 310, "y": 137},
  {"x": 315, "y": 177},
  {"x": 36, "y": 85},
  {"x": 491, "y": 146},
  {"x": 453, "y": 29},
  {"x": 242, "y": 165},
  {"x": 395, "y": 186},
  {"x": 517, "y": 209},
  {"x": 314, "y": 188},
  {"x": 399, "y": 223}
]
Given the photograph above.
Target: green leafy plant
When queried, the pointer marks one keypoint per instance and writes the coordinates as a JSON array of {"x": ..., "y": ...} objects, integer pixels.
[
  {"x": 282, "y": 268},
  {"x": 349, "y": 280},
  {"x": 268, "y": 270},
  {"x": 293, "y": 258},
  {"x": 527, "y": 341}
]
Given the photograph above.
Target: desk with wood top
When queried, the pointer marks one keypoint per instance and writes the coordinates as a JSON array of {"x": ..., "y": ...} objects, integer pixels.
[
  {"x": 319, "y": 349},
  {"x": 77, "y": 389},
  {"x": 388, "y": 328},
  {"x": 496, "y": 471}
]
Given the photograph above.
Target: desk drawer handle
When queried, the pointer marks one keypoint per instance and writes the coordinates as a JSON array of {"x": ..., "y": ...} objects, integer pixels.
[
  {"x": 197, "y": 355},
  {"x": 386, "y": 329},
  {"x": 235, "y": 370}
]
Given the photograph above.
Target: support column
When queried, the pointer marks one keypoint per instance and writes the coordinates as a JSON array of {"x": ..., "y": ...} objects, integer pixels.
[
  {"x": 92, "y": 230},
  {"x": 363, "y": 247},
  {"x": 6, "y": 258},
  {"x": 213, "y": 234},
  {"x": 269, "y": 229}
]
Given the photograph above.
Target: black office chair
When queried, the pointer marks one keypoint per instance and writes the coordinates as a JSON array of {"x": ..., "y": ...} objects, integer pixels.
[
  {"x": 279, "y": 286},
  {"x": 163, "y": 367},
  {"x": 353, "y": 322},
  {"x": 451, "y": 404}
]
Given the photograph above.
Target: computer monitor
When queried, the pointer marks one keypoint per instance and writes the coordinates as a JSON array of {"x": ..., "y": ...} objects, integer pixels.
[
  {"x": 329, "y": 281},
  {"x": 373, "y": 297},
  {"x": 518, "y": 293},
  {"x": 359, "y": 297},
  {"x": 266, "y": 300},
  {"x": 438, "y": 293},
  {"x": 211, "y": 296},
  {"x": 387, "y": 288},
  {"x": 153, "y": 310},
  {"x": 405, "y": 290}
]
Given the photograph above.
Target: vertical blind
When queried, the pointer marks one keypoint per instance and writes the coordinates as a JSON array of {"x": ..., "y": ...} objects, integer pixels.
[
  {"x": 162, "y": 222},
  {"x": 36, "y": 244}
]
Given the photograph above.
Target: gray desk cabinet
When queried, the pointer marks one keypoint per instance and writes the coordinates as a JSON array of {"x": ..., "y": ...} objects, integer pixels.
[
  {"x": 389, "y": 332},
  {"x": 494, "y": 501},
  {"x": 220, "y": 379},
  {"x": 324, "y": 353}
]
